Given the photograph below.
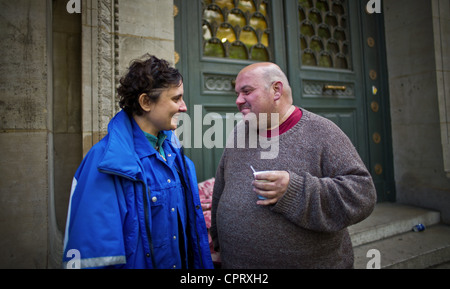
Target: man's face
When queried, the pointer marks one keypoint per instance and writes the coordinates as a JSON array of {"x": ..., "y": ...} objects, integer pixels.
[{"x": 253, "y": 94}]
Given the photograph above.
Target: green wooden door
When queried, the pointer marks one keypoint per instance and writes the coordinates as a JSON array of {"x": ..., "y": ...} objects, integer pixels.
[
  {"x": 325, "y": 63},
  {"x": 215, "y": 40},
  {"x": 318, "y": 43}
]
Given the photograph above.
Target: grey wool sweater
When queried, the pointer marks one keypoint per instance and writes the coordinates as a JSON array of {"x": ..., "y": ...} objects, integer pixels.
[{"x": 329, "y": 190}]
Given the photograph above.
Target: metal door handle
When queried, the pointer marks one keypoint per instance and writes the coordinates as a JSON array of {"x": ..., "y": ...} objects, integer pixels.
[{"x": 335, "y": 87}]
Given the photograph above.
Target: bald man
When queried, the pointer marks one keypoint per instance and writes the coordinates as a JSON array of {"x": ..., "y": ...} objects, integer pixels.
[{"x": 296, "y": 214}]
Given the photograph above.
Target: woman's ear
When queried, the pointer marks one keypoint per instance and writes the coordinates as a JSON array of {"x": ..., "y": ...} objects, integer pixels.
[{"x": 145, "y": 102}]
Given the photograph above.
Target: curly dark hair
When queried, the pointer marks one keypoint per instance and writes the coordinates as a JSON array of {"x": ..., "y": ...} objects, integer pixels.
[{"x": 149, "y": 75}]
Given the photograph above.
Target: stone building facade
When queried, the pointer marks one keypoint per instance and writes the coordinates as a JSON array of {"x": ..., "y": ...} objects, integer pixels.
[{"x": 57, "y": 94}]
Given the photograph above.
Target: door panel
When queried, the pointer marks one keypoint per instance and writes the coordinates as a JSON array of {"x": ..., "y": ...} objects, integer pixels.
[
  {"x": 324, "y": 63},
  {"x": 346, "y": 119}
]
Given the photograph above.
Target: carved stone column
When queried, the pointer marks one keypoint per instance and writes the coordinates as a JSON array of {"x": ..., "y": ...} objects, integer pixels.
[
  {"x": 99, "y": 62},
  {"x": 146, "y": 26}
]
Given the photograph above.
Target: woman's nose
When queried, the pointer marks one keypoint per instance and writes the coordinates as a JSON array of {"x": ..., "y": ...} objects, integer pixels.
[{"x": 183, "y": 107}]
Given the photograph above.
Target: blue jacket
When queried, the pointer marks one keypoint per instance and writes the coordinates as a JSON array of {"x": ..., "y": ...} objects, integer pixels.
[{"x": 126, "y": 203}]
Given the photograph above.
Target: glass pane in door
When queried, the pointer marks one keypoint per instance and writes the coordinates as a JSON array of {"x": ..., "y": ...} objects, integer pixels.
[
  {"x": 324, "y": 33},
  {"x": 236, "y": 29}
]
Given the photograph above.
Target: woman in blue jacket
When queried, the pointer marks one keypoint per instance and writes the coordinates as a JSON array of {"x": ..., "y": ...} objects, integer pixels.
[{"x": 134, "y": 201}]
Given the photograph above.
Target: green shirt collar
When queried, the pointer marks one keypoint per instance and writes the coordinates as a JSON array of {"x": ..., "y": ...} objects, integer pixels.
[{"x": 156, "y": 142}]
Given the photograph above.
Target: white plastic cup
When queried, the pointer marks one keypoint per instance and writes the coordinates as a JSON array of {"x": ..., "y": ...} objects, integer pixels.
[{"x": 264, "y": 181}]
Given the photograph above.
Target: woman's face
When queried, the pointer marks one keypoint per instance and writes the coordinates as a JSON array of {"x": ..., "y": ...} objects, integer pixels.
[{"x": 165, "y": 111}]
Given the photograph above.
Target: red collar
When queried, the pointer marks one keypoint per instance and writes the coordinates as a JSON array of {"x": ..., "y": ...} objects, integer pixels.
[{"x": 289, "y": 123}]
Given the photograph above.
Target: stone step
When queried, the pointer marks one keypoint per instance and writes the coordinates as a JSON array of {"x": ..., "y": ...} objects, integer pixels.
[
  {"x": 388, "y": 231},
  {"x": 390, "y": 219},
  {"x": 411, "y": 250}
]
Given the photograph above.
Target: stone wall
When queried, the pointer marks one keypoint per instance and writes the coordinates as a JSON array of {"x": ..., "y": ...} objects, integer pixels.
[
  {"x": 66, "y": 63},
  {"x": 414, "y": 68},
  {"x": 24, "y": 134}
]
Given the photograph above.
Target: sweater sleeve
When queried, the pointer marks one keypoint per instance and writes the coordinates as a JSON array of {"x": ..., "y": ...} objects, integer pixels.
[
  {"x": 341, "y": 195},
  {"x": 219, "y": 185}
]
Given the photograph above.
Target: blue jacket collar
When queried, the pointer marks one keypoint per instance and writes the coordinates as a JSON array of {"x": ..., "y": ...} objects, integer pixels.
[{"x": 126, "y": 144}]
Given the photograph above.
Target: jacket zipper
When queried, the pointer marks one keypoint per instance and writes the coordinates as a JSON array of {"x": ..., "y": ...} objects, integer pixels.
[{"x": 146, "y": 210}]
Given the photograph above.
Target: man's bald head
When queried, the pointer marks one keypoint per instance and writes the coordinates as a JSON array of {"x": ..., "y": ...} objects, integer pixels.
[{"x": 269, "y": 73}]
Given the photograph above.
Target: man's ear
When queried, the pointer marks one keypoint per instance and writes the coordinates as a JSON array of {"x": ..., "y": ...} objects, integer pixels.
[
  {"x": 278, "y": 90},
  {"x": 145, "y": 102}
]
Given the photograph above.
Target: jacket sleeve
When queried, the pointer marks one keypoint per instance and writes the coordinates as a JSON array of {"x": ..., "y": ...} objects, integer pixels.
[
  {"x": 93, "y": 237},
  {"x": 201, "y": 237},
  {"x": 341, "y": 195}
]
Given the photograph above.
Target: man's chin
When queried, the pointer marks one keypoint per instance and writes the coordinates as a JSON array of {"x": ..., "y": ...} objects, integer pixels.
[
  {"x": 245, "y": 111},
  {"x": 248, "y": 115}
]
